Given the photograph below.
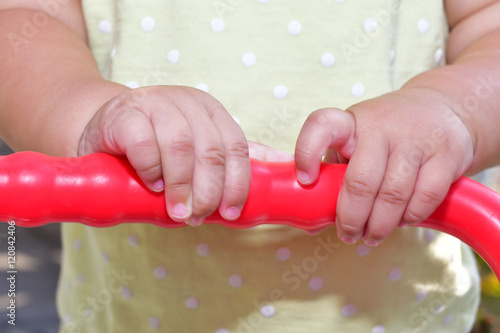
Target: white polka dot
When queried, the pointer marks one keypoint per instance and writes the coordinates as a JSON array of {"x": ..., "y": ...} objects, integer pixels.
[
  {"x": 154, "y": 322},
  {"x": 235, "y": 280},
  {"x": 358, "y": 89},
  {"x": 316, "y": 283},
  {"x": 392, "y": 56},
  {"x": 202, "y": 86},
  {"x": 328, "y": 60},
  {"x": 218, "y": 24},
  {"x": 66, "y": 318},
  {"x": 222, "y": 330},
  {"x": 105, "y": 27},
  {"x": 237, "y": 120},
  {"x": 363, "y": 250},
  {"x": 173, "y": 56},
  {"x": 438, "y": 309},
  {"x": 294, "y": 27},
  {"x": 395, "y": 274},
  {"x": 80, "y": 278},
  {"x": 447, "y": 320},
  {"x": 348, "y": 310},
  {"x": 132, "y": 84},
  {"x": 148, "y": 23},
  {"x": 339, "y": 1},
  {"x": 77, "y": 244},
  {"x": 160, "y": 272},
  {"x": 429, "y": 235},
  {"x": 126, "y": 293},
  {"x": 423, "y": 26},
  {"x": 438, "y": 55},
  {"x": 370, "y": 24},
  {"x": 105, "y": 257},
  {"x": 203, "y": 249},
  {"x": 378, "y": 329},
  {"x": 280, "y": 92},
  {"x": 133, "y": 240},
  {"x": 268, "y": 311},
  {"x": 283, "y": 253},
  {"x": 420, "y": 295},
  {"x": 112, "y": 55},
  {"x": 192, "y": 303},
  {"x": 249, "y": 59},
  {"x": 262, "y": 1}
]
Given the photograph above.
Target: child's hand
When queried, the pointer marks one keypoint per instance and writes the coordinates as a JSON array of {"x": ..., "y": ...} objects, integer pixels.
[
  {"x": 180, "y": 140},
  {"x": 404, "y": 150}
]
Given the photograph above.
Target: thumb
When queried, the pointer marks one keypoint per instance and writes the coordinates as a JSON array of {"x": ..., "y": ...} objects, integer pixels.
[{"x": 324, "y": 129}]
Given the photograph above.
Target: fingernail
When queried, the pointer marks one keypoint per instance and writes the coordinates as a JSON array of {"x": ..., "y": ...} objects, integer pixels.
[
  {"x": 195, "y": 221},
  {"x": 159, "y": 185},
  {"x": 180, "y": 211},
  {"x": 371, "y": 242},
  {"x": 347, "y": 240},
  {"x": 303, "y": 178},
  {"x": 233, "y": 213}
]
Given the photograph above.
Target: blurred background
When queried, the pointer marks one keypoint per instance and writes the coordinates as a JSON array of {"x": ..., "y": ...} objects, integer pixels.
[{"x": 38, "y": 252}]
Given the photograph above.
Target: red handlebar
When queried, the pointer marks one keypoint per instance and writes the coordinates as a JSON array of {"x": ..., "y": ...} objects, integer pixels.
[{"x": 101, "y": 190}]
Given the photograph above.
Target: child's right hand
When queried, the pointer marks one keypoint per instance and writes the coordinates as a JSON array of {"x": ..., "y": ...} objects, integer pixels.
[{"x": 180, "y": 140}]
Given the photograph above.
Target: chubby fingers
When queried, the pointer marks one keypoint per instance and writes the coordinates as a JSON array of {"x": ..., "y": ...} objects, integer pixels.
[
  {"x": 432, "y": 185},
  {"x": 360, "y": 187},
  {"x": 120, "y": 130},
  {"x": 324, "y": 129},
  {"x": 180, "y": 140},
  {"x": 204, "y": 157},
  {"x": 235, "y": 161},
  {"x": 393, "y": 172}
]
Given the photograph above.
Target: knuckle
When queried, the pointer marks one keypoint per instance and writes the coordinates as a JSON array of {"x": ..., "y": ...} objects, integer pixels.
[
  {"x": 420, "y": 211},
  {"x": 319, "y": 117},
  {"x": 359, "y": 188},
  {"x": 238, "y": 149},
  {"x": 393, "y": 196},
  {"x": 144, "y": 143},
  {"x": 149, "y": 171},
  {"x": 304, "y": 149},
  {"x": 238, "y": 189},
  {"x": 177, "y": 185},
  {"x": 430, "y": 197},
  {"x": 213, "y": 156},
  {"x": 181, "y": 145}
]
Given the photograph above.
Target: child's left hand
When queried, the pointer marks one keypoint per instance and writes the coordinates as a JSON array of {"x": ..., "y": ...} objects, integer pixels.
[{"x": 404, "y": 148}]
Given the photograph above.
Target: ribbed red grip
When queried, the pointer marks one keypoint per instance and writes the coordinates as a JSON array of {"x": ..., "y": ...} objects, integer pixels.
[{"x": 101, "y": 190}]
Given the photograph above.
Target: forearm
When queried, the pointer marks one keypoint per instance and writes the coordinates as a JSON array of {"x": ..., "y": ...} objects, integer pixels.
[
  {"x": 470, "y": 86},
  {"x": 50, "y": 86}
]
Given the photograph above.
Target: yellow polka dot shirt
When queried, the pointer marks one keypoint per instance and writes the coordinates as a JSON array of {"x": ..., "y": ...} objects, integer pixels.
[{"x": 270, "y": 63}]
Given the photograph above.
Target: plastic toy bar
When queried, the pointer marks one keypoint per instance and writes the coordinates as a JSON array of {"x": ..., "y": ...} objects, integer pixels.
[{"x": 100, "y": 190}]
